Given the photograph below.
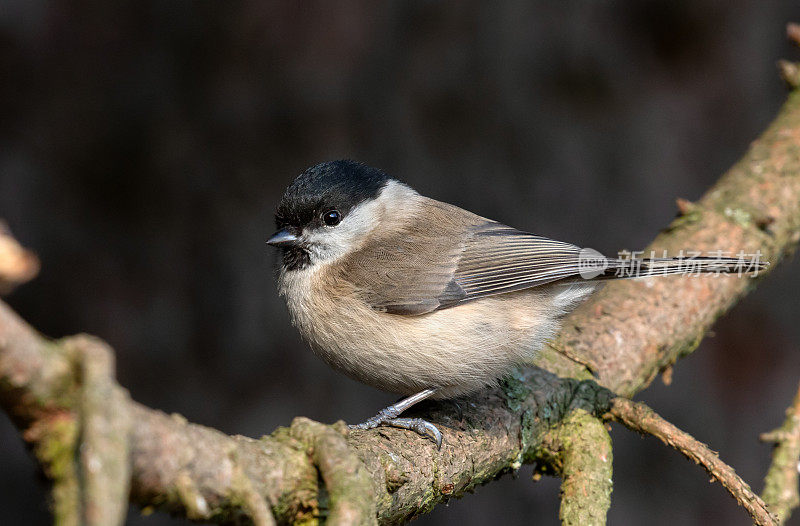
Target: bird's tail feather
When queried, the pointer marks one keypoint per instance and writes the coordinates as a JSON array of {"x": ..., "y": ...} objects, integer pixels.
[{"x": 622, "y": 268}]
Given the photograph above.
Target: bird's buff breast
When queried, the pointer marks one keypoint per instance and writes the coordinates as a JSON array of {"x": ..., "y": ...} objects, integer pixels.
[{"x": 457, "y": 350}]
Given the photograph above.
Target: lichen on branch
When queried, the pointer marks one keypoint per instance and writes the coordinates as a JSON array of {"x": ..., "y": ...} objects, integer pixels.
[
  {"x": 780, "y": 484},
  {"x": 582, "y": 456}
]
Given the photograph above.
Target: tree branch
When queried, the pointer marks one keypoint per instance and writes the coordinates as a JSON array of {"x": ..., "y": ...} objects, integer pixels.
[
  {"x": 17, "y": 265},
  {"x": 348, "y": 483},
  {"x": 633, "y": 329},
  {"x": 641, "y": 418},
  {"x": 582, "y": 458},
  {"x": 102, "y": 410},
  {"x": 780, "y": 484}
]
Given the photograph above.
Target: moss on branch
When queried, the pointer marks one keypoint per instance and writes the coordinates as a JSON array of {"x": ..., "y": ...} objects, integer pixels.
[
  {"x": 780, "y": 484},
  {"x": 582, "y": 456}
]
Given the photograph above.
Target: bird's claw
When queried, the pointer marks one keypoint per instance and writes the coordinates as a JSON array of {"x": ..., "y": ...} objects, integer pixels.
[{"x": 418, "y": 425}]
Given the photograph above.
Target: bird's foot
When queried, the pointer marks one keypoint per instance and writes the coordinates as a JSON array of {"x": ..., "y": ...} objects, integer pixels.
[
  {"x": 418, "y": 425},
  {"x": 388, "y": 417}
]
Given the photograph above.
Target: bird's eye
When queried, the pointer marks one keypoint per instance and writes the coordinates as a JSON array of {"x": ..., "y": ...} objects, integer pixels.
[{"x": 331, "y": 217}]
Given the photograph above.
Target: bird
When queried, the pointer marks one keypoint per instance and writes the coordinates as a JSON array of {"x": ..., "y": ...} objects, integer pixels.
[{"x": 422, "y": 298}]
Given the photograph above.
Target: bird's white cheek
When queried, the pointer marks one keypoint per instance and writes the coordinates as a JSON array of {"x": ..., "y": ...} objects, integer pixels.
[
  {"x": 322, "y": 247},
  {"x": 327, "y": 245}
]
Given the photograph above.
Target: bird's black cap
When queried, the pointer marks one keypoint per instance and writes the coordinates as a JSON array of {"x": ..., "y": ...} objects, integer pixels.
[{"x": 333, "y": 185}]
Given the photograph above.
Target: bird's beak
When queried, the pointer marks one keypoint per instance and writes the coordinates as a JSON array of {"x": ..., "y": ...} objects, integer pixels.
[{"x": 282, "y": 238}]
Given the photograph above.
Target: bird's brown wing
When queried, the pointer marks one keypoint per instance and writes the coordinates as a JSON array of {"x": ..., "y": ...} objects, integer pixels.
[
  {"x": 498, "y": 259},
  {"x": 410, "y": 270},
  {"x": 419, "y": 270}
]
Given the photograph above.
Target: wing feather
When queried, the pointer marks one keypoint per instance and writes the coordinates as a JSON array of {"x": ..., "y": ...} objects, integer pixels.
[
  {"x": 418, "y": 270},
  {"x": 498, "y": 259}
]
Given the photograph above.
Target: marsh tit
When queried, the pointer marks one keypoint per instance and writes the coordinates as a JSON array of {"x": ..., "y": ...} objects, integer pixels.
[{"x": 422, "y": 298}]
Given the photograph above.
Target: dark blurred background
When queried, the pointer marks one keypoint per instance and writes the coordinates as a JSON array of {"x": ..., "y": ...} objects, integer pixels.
[{"x": 144, "y": 146}]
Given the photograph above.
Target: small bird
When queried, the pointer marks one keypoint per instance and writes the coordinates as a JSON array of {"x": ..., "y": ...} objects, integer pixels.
[{"x": 422, "y": 298}]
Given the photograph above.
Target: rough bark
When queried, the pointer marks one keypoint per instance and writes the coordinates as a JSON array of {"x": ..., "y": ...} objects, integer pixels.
[
  {"x": 634, "y": 329},
  {"x": 582, "y": 458},
  {"x": 17, "y": 265},
  {"x": 641, "y": 418},
  {"x": 780, "y": 484}
]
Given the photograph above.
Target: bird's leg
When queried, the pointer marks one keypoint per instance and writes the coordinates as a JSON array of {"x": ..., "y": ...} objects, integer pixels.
[{"x": 388, "y": 417}]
